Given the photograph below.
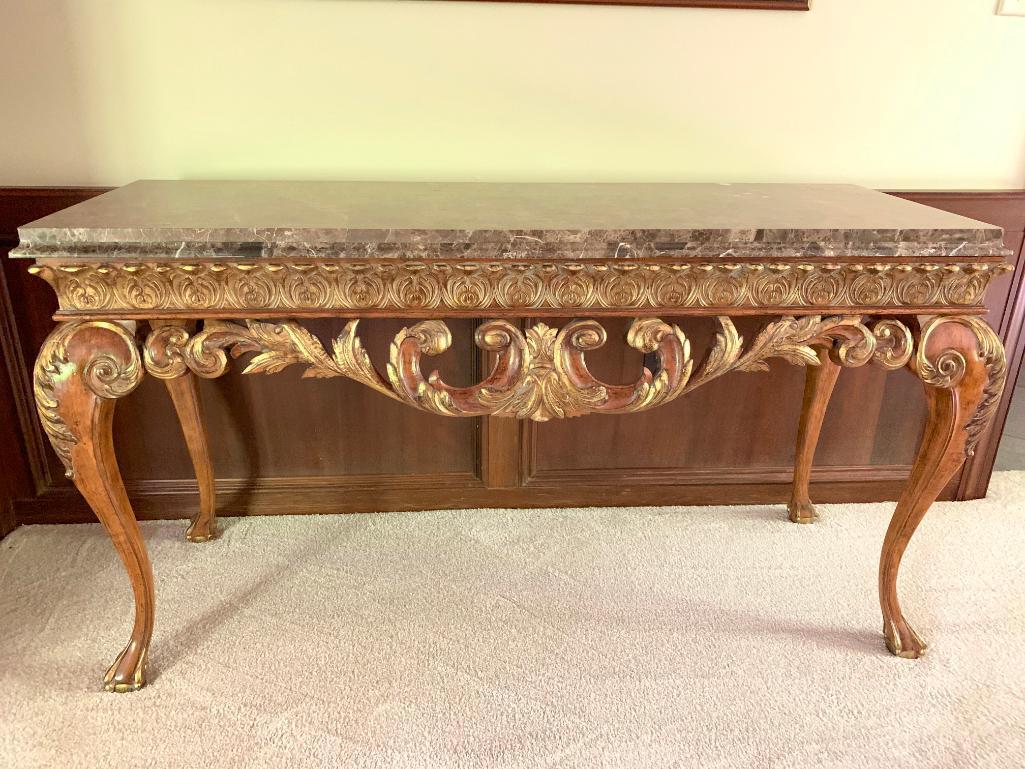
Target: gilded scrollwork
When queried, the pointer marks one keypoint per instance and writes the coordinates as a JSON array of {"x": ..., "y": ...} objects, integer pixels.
[
  {"x": 540, "y": 373},
  {"x": 474, "y": 286},
  {"x": 164, "y": 351},
  {"x": 947, "y": 367},
  {"x": 544, "y": 391},
  {"x": 104, "y": 356},
  {"x": 894, "y": 343},
  {"x": 796, "y": 340}
]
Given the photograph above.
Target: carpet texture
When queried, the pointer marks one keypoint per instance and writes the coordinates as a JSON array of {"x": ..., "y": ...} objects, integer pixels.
[{"x": 691, "y": 637}]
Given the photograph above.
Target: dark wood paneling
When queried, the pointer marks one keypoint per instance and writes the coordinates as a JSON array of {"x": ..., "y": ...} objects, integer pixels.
[
  {"x": 25, "y": 311},
  {"x": 283, "y": 426},
  {"x": 282, "y": 445},
  {"x": 15, "y": 476},
  {"x": 30, "y": 303}
]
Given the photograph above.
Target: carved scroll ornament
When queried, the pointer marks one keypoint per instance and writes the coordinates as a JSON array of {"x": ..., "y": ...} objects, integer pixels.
[
  {"x": 103, "y": 356},
  {"x": 947, "y": 367},
  {"x": 539, "y": 374}
]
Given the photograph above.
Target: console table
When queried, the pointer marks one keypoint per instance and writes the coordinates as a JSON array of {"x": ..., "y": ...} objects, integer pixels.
[{"x": 175, "y": 278}]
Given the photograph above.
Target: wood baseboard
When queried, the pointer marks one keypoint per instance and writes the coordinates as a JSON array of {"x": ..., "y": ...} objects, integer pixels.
[{"x": 173, "y": 499}]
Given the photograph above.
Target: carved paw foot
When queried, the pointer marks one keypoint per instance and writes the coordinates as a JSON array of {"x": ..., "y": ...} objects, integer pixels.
[
  {"x": 128, "y": 673},
  {"x": 902, "y": 641},
  {"x": 802, "y": 511},
  {"x": 202, "y": 529}
]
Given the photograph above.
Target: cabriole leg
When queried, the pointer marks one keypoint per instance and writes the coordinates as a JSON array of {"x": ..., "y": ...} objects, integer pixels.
[
  {"x": 82, "y": 368},
  {"x": 818, "y": 387},
  {"x": 181, "y": 384},
  {"x": 961, "y": 363}
]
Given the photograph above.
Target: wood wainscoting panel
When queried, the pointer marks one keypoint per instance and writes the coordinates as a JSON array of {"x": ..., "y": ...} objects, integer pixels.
[
  {"x": 15, "y": 475},
  {"x": 285, "y": 426},
  {"x": 286, "y": 445},
  {"x": 25, "y": 310}
]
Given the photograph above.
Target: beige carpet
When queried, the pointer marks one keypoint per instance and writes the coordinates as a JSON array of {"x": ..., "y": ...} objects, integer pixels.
[{"x": 690, "y": 637}]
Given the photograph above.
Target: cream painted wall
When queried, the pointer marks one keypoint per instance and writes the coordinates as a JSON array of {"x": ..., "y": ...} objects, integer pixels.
[{"x": 888, "y": 93}]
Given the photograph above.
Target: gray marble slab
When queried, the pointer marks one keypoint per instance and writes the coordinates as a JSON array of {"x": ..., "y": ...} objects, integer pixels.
[{"x": 277, "y": 219}]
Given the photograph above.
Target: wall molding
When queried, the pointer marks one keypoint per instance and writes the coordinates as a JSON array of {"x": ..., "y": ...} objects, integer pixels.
[{"x": 173, "y": 499}]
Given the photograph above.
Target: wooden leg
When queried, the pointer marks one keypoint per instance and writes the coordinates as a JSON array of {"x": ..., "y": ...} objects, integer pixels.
[
  {"x": 181, "y": 384},
  {"x": 818, "y": 386},
  {"x": 962, "y": 364},
  {"x": 81, "y": 370},
  {"x": 185, "y": 396}
]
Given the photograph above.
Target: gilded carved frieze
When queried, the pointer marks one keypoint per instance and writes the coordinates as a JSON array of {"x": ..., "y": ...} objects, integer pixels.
[{"x": 479, "y": 286}]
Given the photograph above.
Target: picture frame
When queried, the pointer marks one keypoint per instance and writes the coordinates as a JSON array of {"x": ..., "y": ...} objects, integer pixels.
[{"x": 759, "y": 5}]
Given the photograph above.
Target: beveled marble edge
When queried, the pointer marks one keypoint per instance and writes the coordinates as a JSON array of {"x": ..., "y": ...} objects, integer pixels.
[
  {"x": 226, "y": 219},
  {"x": 634, "y": 245},
  {"x": 41, "y": 236}
]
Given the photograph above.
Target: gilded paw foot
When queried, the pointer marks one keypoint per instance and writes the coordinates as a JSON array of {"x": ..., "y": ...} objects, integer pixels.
[
  {"x": 902, "y": 641},
  {"x": 203, "y": 529},
  {"x": 128, "y": 673},
  {"x": 802, "y": 511}
]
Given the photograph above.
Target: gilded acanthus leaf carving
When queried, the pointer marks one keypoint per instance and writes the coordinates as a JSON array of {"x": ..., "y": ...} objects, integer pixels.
[
  {"x": 51, "y": 369},
  {"x": 795, "y": 339},
  {"x": 283, "y": 344},
  {"x": 784, "y": 339},
  {"x": 539, "y": 374},
  {"x": 724, "y": 353},
  {"x": 352, "y": 360},
  {"x": 543, "y": 392},
  {"x": 95, "y": 356},
  {"x": 947, "y": 367}
]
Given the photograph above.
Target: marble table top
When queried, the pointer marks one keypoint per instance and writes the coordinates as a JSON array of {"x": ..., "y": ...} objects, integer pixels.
[{"x": 278, "y": 219}]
